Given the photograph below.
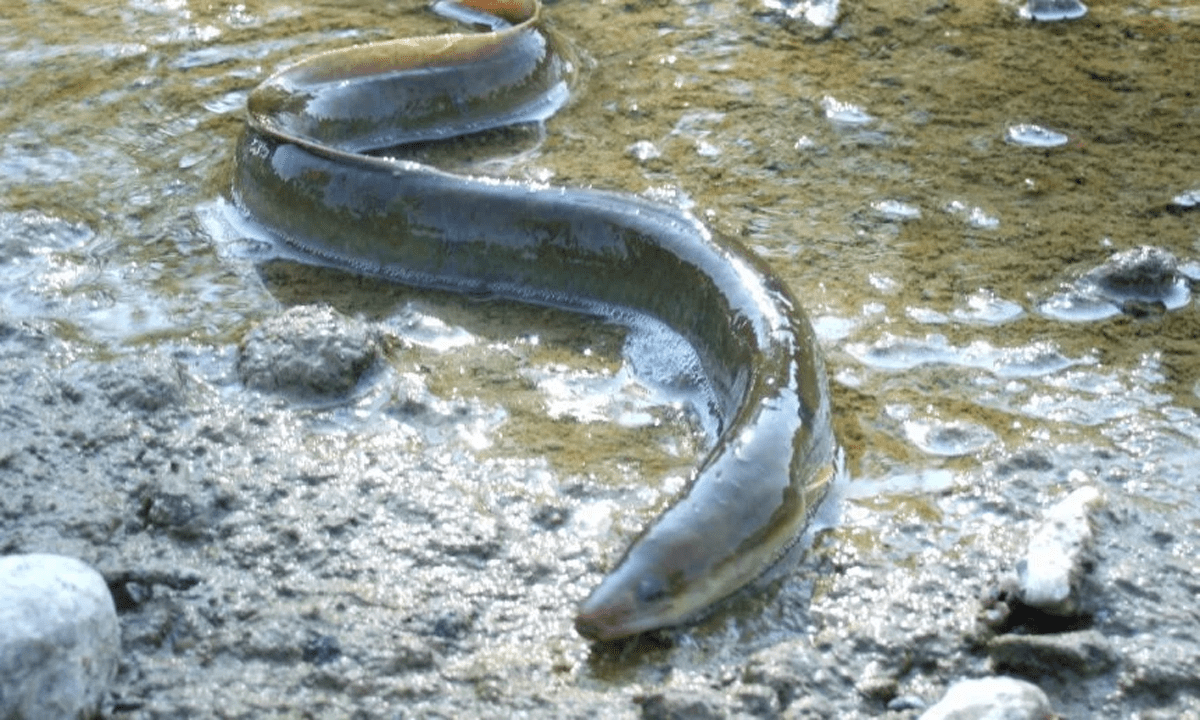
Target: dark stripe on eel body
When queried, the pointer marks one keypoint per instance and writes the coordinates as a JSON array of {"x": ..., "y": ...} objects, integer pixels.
[{"x": 300, "y": 174}]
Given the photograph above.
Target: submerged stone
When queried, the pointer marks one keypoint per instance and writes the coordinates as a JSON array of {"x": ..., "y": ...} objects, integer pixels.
[
  {"x": 1141, "y": 273},
  {"x": 1140, "y": 281}
]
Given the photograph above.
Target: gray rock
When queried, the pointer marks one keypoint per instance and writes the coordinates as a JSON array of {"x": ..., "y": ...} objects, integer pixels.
[
  {"x": 59, "y": 638},
  {"x": 1051, "y": 574},
  {"x": 150, "y": 384},
  {"x": 991, "y": 698},
  {"x": 877, "y": 683},
  {"x": 308, "y": 352},
  {"x": 1140, "y": 282},
  {"x": 678, "y": 704},
  {"x": 810, "y": 707},
  {"x": 1086, "y": 652},
  {"x": 781, "y": 668},
  {"x": 757, "y": 701},
  {"x": 1143, "y": 273}
]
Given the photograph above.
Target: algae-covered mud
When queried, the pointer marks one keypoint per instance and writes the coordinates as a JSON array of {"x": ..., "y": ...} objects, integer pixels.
[{"x": 318, "y": 495}]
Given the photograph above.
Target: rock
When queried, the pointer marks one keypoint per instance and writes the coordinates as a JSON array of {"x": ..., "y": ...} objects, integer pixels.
[
  {"x": 321, "y": 649},
  {"x": 149, "y": 384},
  {"x": 59, "y": 638},
  {"x": 409, "y": 655},
  {"x": 1143, "y": 273},
  {"x": 1085, "y": 653},
  {"x": 1141, "y": 282},
  {"x": 781, "y": 668},
  {"x": 308, "y": 352},
  {"x": 1058, "y": 557},
  {"x": 991, "y": 698},
  {"x": 678, "y": 704},
  {"x": 179, "y": 503},
  {"x": 877, "y": 683},
  {"x": 757, "y": 701},
  {"x": 810, "y": 707},
  {"x": 1156, "y": 669}
]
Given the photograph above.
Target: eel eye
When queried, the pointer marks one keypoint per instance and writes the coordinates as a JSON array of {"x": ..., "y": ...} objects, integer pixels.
[{"x": 651, "y": 589}]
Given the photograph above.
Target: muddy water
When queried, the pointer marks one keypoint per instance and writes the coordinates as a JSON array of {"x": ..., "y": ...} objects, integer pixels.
[{"x": 883, "y": 166}]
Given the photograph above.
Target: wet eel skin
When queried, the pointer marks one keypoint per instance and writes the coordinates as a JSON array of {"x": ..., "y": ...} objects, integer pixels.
[{"x": 301, "y": 173}]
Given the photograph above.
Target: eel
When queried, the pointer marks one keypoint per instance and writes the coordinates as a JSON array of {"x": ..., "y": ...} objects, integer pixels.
[{"x": 303, "y": 173}]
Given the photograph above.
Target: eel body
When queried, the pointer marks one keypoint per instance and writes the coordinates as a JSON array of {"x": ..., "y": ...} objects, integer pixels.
[{"x": 302, "y": 173}]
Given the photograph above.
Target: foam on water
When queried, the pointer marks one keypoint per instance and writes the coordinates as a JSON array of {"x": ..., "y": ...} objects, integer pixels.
[
  {"x": 844, "y": 113},
  {"x": 429, "y": 331},
  {"x": 821, "y": 13},
  {"x": 1052, "y": 10},
  {"x": 1187, "y": 200},
  {"x": 896, "y": 210},
  {"x": 1036, "y": 136},
  {"x": 983, "y": 307},
  {"x": 895, "y": 353},
  {"x": 974, "y": 216},
  {"x": 953, "y": 438}
]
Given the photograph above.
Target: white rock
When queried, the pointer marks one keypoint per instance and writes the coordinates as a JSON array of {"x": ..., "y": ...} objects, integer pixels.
[
  {"x": 59, "y": 638},
  {"x": 992, "y": 698},
  {"x": 1053, "y": 566}
]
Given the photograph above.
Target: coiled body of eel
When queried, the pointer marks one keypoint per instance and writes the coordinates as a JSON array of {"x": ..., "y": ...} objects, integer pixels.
[{"x": 302, "y": 173}]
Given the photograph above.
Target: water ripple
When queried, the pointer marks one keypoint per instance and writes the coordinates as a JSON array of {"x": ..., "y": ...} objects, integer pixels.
[
  {"x": 955, "y": 438},
  {"x": 895, "y": 353}
]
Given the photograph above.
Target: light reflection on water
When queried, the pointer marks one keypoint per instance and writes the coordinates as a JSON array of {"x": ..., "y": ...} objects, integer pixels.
[{"x": 171, "y": 101}]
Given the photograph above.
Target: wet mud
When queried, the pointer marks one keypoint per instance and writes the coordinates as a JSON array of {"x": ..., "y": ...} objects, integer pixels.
[{"x": 1006, "y": 317}]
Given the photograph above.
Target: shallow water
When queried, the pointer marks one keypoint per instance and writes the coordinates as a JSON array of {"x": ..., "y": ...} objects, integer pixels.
[{"x": 933, "y": 180}]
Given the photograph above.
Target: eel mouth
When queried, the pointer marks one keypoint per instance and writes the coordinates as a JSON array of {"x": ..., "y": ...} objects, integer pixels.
[
  {"x": 605, "y": 614},
  {"x": 609, "y": 623},
  {"x": 594, "y": 627}
]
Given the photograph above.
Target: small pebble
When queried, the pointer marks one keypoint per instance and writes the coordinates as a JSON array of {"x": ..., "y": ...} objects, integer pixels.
[
  {"x": 1051, "y": 573},
  {"x": 991, "y": 698}
]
